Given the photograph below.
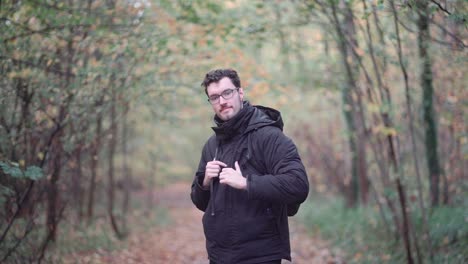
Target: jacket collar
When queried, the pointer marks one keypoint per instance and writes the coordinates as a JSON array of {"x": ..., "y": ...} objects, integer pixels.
[{"x": 226, "y": 130}]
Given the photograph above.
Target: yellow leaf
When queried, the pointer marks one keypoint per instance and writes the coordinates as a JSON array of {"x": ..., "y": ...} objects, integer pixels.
[
  {"x": 373, "y": 108},
  {"x": 389, "y": 131}
]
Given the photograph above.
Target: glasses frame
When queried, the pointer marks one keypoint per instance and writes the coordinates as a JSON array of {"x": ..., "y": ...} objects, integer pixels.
[{"x": 229, "y": 95}]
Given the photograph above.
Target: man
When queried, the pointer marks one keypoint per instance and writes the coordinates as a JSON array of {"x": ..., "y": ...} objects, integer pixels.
[{"x": 250, "y": 178}]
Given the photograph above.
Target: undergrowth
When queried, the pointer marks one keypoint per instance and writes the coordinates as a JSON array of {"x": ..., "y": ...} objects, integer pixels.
[{"x": 361, "y": 233}]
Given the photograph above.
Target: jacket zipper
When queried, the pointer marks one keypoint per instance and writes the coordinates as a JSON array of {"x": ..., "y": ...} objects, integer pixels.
[{"x": 212, "y": 193}]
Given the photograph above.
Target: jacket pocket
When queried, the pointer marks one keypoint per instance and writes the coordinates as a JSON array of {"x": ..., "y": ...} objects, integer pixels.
[
  {"x": 258, "y": 227},
  {"x": 215, "y": 229}
]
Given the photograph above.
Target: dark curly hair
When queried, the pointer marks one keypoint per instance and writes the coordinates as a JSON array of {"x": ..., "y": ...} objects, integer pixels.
[{"x": 215, "y": 76}]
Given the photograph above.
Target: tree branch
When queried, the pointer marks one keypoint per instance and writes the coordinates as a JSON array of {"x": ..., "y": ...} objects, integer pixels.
[
  {"x": 441, "y": 7},
  {"x": 39, "y": 66}
]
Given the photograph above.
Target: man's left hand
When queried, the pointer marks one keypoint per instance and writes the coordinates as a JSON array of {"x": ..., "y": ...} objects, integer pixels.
[{"x": 233, "y": 177}]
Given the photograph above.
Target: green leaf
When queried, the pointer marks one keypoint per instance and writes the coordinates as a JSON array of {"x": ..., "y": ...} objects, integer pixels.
[
  {"x": 14, "y": 171},
  {"x": 33, "y": 173}
]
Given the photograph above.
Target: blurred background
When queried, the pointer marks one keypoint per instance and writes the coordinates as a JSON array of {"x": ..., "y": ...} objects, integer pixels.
[{"x": 101, "y": 109}]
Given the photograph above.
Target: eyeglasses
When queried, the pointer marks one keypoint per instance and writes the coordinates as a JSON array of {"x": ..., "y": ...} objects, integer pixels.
[{"x": 226, "y": 94}]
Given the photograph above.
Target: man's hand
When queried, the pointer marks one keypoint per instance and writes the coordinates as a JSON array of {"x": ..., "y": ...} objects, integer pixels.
[
  {"x": 212, "y": 171},
  {"x": 233, "y": 177}
]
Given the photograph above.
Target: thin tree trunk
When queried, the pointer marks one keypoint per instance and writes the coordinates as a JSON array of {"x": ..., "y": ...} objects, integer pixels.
[
  {"x": 94, "y": 161},
  {"x": 361, "y": 135},
  {"x": 352, "y": 45},
  {"x": 383, "y": 90},
  {"x": 57, "y": 147},
  {"x": 406, "y": 230},
  {"x": 452, "y": 154},
  {"x": 112, "y": 145},
  {"x": 52, "y": 188},
  {"x": 78, "y": 182},
  {"x": 356, "y": 138},
  {"x": 286, "y": 65},
  {"x": 411, "y": 126},
  {"x": 126, "y": 169},
  {"x": 430, "y": 125}
]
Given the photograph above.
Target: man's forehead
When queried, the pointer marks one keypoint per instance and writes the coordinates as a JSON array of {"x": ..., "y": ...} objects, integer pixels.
[
  {"x": 222, "y": 85},
  {"x": 225, "y": 82}
]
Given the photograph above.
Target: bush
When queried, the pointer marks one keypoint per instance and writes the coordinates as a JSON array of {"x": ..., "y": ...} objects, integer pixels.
[{"x": 360, "y": 232}]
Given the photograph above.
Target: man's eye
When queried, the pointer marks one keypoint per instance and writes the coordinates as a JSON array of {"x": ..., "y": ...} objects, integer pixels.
[
  {"x": 227, "y": 92},
  {"x": 214, "y": 97}
]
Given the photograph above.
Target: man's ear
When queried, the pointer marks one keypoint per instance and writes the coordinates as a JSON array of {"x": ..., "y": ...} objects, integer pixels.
[{"x": 241, "y": 94}]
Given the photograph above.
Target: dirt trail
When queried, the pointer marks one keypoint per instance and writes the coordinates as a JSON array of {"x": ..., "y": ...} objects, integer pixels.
[{"x": 183, "y": 242}]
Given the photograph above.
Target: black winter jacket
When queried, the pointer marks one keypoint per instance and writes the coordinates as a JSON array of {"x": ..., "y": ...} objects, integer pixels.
[{"x": 250, "y": 226}]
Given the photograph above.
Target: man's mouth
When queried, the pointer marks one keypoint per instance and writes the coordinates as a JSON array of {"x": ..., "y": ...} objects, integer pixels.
[{"x": 224, "y": 109}]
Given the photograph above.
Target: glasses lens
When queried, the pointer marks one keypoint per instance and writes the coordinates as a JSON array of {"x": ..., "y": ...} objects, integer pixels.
[
  {"x": 227, "y": 93},
  {"x": 213, "y": 99}
]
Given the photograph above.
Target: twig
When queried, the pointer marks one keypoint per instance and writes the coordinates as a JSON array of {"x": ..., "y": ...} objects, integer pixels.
[
  {"x": 441, "y": 7},
  {"x": 29, "y": 228}
]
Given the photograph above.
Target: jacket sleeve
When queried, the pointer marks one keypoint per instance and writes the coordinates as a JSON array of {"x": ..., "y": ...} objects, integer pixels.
[
  {"x": 200, "y": 197},
  {"x": 287, "y": 181}
]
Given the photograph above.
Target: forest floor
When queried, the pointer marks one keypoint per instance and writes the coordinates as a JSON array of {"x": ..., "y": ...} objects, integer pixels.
[{"x": 182, "y": 240}]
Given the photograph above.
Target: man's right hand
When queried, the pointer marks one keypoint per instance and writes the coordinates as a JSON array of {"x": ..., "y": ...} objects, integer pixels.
[{"x": 212, "y": 171}]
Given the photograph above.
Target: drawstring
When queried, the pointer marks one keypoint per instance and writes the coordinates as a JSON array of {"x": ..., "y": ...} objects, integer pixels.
[{"x": 212, "y": 194}]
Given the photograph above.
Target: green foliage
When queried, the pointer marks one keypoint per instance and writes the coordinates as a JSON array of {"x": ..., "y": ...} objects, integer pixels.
[
  {"x": 352, "y": 230},
  {"x": 25, "y": 249},
  {"x": 361, "y": 233},
  {"x": 459, "y": 18},
  {"x": 449, "y": 233},
  {"x": 13, "y": 169}
]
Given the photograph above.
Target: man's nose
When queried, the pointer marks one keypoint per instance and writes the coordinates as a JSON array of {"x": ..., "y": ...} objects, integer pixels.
[{"x": 222, "y": 101}]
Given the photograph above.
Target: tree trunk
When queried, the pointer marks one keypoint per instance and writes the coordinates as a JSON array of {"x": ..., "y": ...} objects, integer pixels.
[
  {"x": 52, "y": 188},
  {"x": 359, "y": 184},
  {"x": 126, "y": 169},
  {"x": 406, "y": 225},
  {"x": 112, "y": 145},
  {"x": 412, "y": 130},
  {"x": 284, "y": 51},
  {"x": 78, "y": 182},
  {"x": 57, "y": 147},
  {"x": 430, "y": 126},
  {"x": 94, "y": 161}
]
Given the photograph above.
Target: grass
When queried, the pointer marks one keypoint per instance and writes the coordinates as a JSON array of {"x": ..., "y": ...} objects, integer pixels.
[{"x": 361, "y": 234}]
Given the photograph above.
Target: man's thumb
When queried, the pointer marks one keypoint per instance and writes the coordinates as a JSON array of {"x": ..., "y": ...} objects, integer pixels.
[{"x": 237, "y": 166}]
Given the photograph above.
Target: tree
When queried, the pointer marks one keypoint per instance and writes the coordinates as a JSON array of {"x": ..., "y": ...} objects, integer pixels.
[{"x": 430, "y": 126}]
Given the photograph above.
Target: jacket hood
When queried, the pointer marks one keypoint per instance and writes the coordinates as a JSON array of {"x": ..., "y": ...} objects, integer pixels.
[
  {"x": 249, "y": 118},
  {"x": 265, "y": 116}
]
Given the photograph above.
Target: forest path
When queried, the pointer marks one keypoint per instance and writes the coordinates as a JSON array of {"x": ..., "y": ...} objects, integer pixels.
[{"x": 182, "y": 241}]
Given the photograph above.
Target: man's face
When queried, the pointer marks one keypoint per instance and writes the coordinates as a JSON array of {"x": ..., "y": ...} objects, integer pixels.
[{"x": 225, "y": 109}]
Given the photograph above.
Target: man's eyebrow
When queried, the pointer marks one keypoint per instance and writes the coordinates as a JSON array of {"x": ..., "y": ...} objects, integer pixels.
[{"x": 223, "y": 90}]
